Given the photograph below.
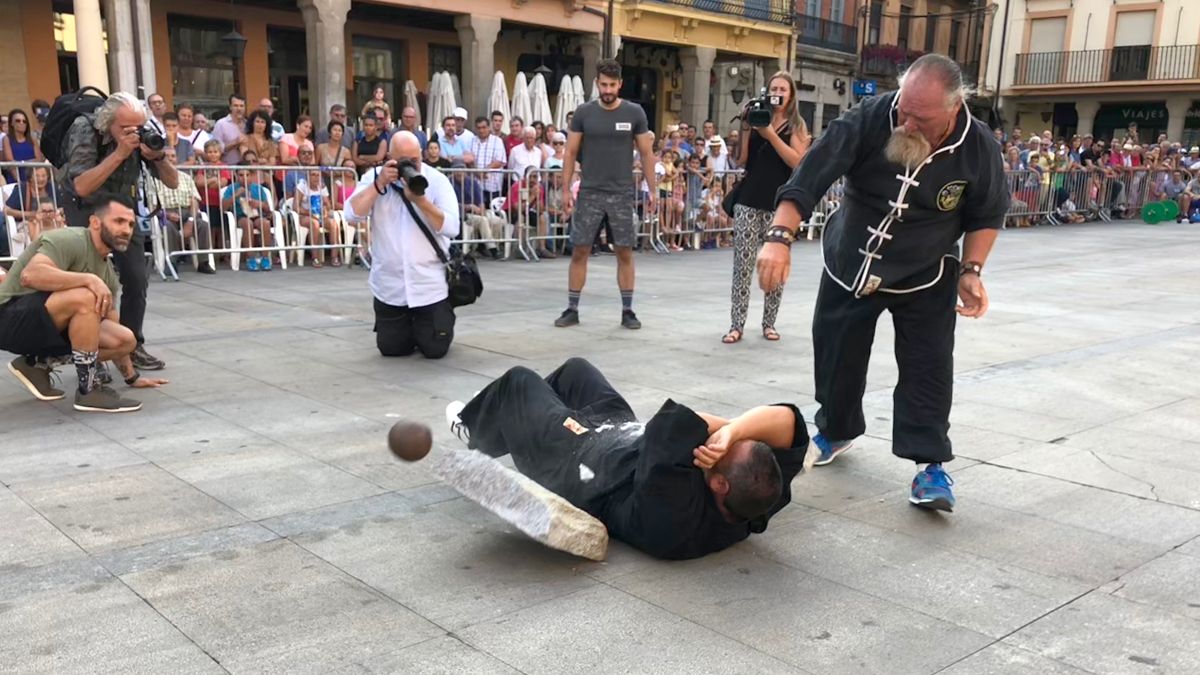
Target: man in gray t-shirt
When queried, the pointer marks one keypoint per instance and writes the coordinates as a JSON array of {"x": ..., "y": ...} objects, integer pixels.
[{"x": 602, "y": 139}]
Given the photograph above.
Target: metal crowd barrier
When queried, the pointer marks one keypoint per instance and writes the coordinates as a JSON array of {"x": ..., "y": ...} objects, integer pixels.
[
  {"x": 499, "y": 209},
  {"x": 278, "y": 203},
  {"x": 483, "y": 207}
]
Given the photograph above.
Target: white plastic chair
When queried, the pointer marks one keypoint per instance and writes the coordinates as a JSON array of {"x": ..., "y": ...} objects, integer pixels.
[
  {"x": 299, "y": 232},
  {"x": 497, "y": 207},
  {"x": 17, "y": 240}
]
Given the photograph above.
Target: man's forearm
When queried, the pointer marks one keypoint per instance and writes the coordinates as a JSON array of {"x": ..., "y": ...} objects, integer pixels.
[
  {"x": 433, "y": 215},
  {"x": 167, "y": 173},
  {"x": 51, "y": 279},
  {"x": 774, "y": 425},
  {"x": 568, "y": 170},
  {"x": 977, "y": 245},
  {"x": 648, "y": 173},
  {"x": 788, "y": 215},
  {"x": 360, "y": 204},
  {"x": 91, "y": 180}
]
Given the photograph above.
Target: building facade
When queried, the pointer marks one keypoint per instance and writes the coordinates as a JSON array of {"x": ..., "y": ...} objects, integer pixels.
[
  {"x": 1097, "y": 66},
  {"x": 894, "y": 33},
  {"x": 309, "y": 54}
]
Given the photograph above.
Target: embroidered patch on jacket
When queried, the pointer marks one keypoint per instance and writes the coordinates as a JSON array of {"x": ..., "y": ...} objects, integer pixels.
[{"x": 951, "y": 194}]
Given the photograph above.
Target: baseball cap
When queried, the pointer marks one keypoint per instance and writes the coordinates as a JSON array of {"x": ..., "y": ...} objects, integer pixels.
[
  {"x": 1194, "y": 149},
  {"x": 457, "y": 163},
  {"x": 460, "y": 112},
  {"x": 559, "y": 137},
  {"x": 1127, "y": 146}
]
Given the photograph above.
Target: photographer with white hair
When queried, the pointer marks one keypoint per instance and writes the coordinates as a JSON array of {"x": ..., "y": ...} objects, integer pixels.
[
  {"x": 106, "y": 151},
  {"x": 408, "y": 279}
]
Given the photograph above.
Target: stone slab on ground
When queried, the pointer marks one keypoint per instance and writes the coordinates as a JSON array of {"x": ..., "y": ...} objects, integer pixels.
[{"x": 521, "y": 502}]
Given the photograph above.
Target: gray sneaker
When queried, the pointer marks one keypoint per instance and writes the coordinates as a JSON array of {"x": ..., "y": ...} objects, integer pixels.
[
  {"x": 36, "y": 378},
  {"x": 142, "y": 360},
  {"x": 105, "y": 399}
]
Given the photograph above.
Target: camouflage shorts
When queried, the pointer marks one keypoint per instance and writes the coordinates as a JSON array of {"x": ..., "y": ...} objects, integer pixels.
[{"x": 591, "y": 209}]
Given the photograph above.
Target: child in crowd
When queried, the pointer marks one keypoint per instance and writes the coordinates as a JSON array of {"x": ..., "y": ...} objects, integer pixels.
[{"x": 210, "y": 182}]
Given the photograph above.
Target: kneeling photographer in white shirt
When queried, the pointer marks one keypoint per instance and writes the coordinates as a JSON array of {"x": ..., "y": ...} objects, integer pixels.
[{"x": 408, "y": 280}]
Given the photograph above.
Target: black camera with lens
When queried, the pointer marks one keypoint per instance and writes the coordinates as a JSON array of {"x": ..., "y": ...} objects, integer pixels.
[
  {"x": 410, "y": 175},
  {"x": 759, "y": 109},
  {"x": 150, "y": 137}
]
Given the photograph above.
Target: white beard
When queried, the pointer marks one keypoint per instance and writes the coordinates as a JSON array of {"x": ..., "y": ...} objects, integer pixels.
[{"x": 907, "y": 149}]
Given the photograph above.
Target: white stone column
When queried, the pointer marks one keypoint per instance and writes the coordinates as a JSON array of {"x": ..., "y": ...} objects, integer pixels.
[
  {"x": 118, "y": 16},
  {"x": 591, "y": 47},
  {"x": 145, "y": 48},
  {"x": 325, "y": 42},
  {"x": 1177, "y": 107},
  {"x": 1086, "y": 110},
  {"x": 697, "y": 65},
  {"x": 93, "y": 66},
  {"x": 477, "y": 35}
]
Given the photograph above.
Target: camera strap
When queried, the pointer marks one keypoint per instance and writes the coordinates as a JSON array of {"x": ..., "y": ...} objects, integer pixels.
[{"x": 425, "y": 230}]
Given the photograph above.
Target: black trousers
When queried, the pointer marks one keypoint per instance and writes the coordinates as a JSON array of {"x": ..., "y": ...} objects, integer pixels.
[
  {"x": 131, "y": 271},
  {"x": 524, "y": 415},
  {"x": 399, "y": 331},
  {"x": 843, "y": 331}
]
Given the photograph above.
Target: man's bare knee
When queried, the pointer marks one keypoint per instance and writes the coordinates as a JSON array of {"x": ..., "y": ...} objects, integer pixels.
[
  {"x": 580, "y": 253},
  {"x": 116, "y": 338},
  {"x": 63, "y": 305}
]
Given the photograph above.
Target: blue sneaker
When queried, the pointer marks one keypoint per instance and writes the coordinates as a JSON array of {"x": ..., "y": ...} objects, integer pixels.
[
  {"x": 829, "y": 449},
  {"x": 265, "y": 263},
  {"x": 931, "y": 489},
  {"x": 252, "y": 264}
]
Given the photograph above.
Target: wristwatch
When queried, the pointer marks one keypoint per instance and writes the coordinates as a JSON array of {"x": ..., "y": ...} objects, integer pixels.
[{"x": 971, "y": 267}]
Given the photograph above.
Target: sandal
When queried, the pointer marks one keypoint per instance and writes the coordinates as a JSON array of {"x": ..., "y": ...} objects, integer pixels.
[
  {"x": 771, "y": 334},
  {"x": 734, "y": 335},
  {"x": 336, "y": 262},
  {"x": 316, "y": 263}
]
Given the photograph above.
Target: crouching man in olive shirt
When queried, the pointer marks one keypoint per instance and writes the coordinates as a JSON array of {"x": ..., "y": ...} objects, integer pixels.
[
  {"x": 683, "y": 485},
  {"x": 57, "y": 303}
]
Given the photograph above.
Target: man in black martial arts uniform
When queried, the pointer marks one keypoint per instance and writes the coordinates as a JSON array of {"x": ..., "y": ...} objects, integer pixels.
[
  {"x": 683, "y": 485},
  {"x": 921, "y": 173}
]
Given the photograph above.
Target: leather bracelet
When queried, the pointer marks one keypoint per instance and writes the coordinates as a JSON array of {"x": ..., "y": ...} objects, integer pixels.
[
  {"x": 376, "y": 184},
  {"x": 774, "y": 239},
  {"x": 133, "y": 378},
  {"x": 778, "y": 232}
]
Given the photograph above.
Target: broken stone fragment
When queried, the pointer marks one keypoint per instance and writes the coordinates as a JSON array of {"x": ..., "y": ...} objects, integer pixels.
[{"x": 531, "y": 508}]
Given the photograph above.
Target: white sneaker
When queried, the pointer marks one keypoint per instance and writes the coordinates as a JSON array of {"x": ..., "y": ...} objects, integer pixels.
[{"x": 453, "y": 411}]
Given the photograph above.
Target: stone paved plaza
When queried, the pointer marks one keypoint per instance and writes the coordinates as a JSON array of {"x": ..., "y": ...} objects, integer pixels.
[{"x": 250, "y": 518}]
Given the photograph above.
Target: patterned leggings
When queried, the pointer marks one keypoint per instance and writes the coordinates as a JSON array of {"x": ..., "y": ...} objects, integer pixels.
[{"x": 749, "y": 228}]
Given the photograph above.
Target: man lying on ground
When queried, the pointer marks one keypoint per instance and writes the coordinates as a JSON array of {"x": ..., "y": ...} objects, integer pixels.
[{"x": 683, "y": 485}]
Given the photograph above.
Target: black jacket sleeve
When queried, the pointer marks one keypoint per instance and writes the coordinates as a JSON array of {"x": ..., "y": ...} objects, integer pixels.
[
  {"x": 830, "y": 158},
  {"x": 987, "y": 199}
]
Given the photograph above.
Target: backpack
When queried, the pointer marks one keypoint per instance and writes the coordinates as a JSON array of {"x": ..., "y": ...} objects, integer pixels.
[{"x": 66, "y": 109}]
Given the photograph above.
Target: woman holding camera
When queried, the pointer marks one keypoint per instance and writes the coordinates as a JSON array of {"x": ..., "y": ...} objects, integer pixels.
[{"x": 771, "y": 152}]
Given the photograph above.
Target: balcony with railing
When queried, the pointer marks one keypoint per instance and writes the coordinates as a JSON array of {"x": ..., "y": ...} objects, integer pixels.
[
  {"x": 889, "y": 61},
  {"x": 818, "y": 32},
  {"x": 771, "y": 11},
  {"x": 1116, "y": 66}
]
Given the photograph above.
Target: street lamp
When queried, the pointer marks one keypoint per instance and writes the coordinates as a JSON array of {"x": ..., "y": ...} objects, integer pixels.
[{"x": 235, "y": 45}]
